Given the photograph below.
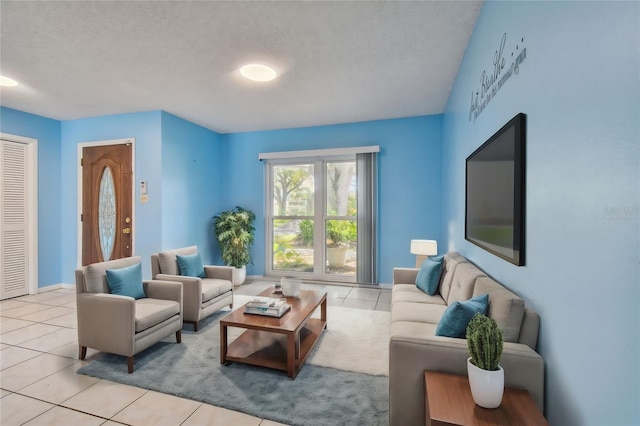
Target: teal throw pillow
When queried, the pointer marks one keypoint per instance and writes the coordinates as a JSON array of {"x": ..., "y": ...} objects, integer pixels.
[
  {"x": 191, "y": 265},
  {"x": 126, "y": 281},
  {"x": 456, "y": 317},
  {"x": 428, "y": 276}
]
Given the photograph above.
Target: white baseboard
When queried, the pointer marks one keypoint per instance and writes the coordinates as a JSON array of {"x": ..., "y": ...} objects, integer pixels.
[
  {"x": 55, "y": 287},
  {"x": 384, "y": 286},
  {"x": 255, "y": 277}
]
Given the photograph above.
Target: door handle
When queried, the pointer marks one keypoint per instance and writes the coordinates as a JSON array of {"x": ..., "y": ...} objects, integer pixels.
[{"x": 126, "y": 231}]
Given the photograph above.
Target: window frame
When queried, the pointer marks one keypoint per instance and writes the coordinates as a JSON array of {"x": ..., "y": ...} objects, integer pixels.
[{"x": 320, "y": 216}]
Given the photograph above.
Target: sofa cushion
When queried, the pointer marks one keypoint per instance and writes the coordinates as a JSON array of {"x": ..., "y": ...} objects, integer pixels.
[
  {"x": 150, "y": 312},
  {"x": 212, "y": 288},
  {"x": 412, "y": 331},
  {"x": 126, "y": 281},
  {"x": 95, "y": 275},
  {"x": 529, "y": 329},
  {"x": 505, "y": 307},
  {"x": 428, "y": 277},
  {"x": 456, "y": 317},
  {"x": 167, "y": 259},
  {"x": 190, "y": 265},
  {"x": 449, "y": 265},
  {"x": 464, "y": 279},
  {"x": 411, "y": 293},
  {"x": 418, "y": 312}
]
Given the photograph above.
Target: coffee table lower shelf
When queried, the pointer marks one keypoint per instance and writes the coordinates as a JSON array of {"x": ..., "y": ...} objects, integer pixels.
[{"x": 270, "y": 348}]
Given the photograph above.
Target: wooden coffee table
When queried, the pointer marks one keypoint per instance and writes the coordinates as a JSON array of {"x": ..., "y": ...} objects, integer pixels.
[
  {"x": 449, "y": 402},
  {"x": 280, "y": 343}
]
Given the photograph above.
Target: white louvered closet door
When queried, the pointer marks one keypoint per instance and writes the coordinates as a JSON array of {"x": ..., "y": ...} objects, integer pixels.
[{"x": 14, "y": 266}]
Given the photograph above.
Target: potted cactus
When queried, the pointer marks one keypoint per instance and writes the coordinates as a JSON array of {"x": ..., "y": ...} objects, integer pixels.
[{"x": 486, "y": 377}]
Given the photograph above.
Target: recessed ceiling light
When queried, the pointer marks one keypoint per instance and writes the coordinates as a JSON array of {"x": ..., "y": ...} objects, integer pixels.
[
  {"x": 257, "y": 72},
  {"x": 6, "y": 81}
]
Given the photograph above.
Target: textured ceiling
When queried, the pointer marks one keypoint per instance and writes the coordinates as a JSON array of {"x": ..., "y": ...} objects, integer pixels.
[{"x": 338, "y": 61}]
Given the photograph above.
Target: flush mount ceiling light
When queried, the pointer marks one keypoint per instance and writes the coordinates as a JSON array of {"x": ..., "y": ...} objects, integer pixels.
[
  {"x": 6, "y": 81},
  {"x": 257, "y": 72}
]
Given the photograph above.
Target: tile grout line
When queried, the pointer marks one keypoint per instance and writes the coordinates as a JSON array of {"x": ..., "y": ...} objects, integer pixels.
[
  {"x": 128, "y": 405},
  {"x": 60, "y": 404},
  {"x": 48, "y": 319},
  {"x": 46, "y": 334}
]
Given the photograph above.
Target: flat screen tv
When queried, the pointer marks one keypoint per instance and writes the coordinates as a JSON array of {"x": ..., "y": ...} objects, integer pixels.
[{"x": 495, "y": 193}]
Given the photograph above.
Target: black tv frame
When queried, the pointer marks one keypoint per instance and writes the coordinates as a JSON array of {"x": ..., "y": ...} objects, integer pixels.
[{"x": 517, "y": 255}]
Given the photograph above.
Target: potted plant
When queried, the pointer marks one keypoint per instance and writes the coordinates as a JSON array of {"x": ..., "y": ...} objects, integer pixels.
[
  {"x": 486, "y": 377},
  {"x": 339, "y": 233},
  {"x": 235, "y": 233}
]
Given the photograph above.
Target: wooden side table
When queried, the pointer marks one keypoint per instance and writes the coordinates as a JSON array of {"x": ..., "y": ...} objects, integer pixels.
[{"x": 449, "y": 402}]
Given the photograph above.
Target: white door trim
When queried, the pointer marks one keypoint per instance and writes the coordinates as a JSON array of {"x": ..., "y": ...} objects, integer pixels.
[
  {"x": 82, "y": 145},
  {"x": 32, "y": 205}
]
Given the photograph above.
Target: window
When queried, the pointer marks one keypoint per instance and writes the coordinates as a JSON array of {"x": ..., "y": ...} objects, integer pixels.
[{"x": 315, "y": 229}]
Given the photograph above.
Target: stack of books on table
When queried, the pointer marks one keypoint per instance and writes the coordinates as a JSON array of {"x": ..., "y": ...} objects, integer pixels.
[{"x": 269, "y": 306}]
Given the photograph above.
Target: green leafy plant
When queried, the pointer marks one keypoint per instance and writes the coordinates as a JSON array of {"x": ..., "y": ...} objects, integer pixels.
[
  {"x": 341, "y": 232},
  {"x": 306, "y": 232},
  {"x": 235, "y": 233},
  {"x": 291, "y": 260},
  {"x": 484, "y": 340}
]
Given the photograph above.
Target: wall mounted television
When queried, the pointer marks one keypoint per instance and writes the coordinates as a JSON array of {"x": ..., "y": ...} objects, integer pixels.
[{"x": 495, "y": 193}]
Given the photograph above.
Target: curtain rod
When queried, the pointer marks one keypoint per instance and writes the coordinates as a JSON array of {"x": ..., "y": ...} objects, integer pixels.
[{"x": 319, "y": 152}]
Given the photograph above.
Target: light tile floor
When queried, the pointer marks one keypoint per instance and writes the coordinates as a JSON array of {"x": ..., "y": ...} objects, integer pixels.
[{"x": 38, "y": 363}]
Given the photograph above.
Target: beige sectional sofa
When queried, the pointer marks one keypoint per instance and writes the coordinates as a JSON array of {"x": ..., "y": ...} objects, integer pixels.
[{"x": 414, "y": 347}]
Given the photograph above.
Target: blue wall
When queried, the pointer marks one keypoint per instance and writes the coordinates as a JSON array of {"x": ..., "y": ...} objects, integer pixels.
[
  {"x": 179, "y": 161},
  {"x": 579, "y": 86},
  {"x": 145, "y": 128},
  {"x": 191, "y": 186},
  {"x": 409, "y": 174},
  {"x": 47, "y": 132},
  {"x": 187, "y": 165}
]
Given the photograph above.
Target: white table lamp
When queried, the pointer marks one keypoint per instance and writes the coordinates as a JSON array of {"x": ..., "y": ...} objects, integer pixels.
[{"x": 422, "y": 249}]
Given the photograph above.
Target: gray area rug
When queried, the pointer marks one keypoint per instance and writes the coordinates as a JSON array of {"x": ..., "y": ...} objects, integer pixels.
[{"x": 318, "y": 395}]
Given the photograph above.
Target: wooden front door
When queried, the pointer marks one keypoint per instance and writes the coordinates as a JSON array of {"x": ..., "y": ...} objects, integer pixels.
[{"x": 107, "y": 220}]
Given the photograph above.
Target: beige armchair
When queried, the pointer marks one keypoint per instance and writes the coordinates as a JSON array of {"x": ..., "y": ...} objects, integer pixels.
[
  {"x": 123, "y": 325},
  {"x": 202, "y": 296}
]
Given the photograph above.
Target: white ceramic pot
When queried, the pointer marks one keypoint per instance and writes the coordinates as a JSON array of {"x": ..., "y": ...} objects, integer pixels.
[
  {"x": 239, "y": 276},
  {"x": 487, "y": 387},
  {"x": 336, "y": 256}
]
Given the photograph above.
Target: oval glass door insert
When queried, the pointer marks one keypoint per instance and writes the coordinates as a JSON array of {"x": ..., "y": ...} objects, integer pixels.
[{"x": 107, "y": 214}]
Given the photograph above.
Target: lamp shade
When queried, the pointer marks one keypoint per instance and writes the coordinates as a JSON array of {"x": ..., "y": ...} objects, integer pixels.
[{"x": 424, "y": 247}]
